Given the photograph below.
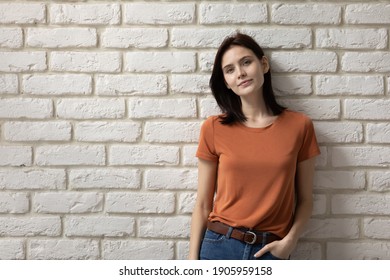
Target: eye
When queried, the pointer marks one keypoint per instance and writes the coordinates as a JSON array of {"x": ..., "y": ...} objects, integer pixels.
[
  {"x": 229, "y": 70},
  {"x": 246, "y": 62}
]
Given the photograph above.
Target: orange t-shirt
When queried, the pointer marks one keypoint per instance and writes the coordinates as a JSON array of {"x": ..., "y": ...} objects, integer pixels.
[{"x": 256, "y": 169}]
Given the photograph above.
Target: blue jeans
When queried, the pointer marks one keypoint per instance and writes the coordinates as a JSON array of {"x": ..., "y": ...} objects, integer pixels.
[{"x": 217, "y": 246}]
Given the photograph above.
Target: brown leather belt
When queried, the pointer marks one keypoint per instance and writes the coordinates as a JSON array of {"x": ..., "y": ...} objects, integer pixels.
[{"x": 247, "y": 236}]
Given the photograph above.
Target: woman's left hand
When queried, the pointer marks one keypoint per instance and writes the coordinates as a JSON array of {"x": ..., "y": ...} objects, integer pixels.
[{"x": 280, "y": 249}]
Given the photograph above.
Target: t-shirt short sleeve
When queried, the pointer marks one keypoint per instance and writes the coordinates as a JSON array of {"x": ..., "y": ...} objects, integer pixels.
[
  {"x": 206, "y": 148},
  {"x": 309, "y": 146}
]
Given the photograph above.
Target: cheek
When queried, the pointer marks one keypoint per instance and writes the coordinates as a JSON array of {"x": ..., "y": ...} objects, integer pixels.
[{"x": 229, "y": 82}]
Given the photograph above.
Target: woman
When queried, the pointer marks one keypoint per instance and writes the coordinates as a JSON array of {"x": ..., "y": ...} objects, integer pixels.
[{"x": 256, "y": 163}]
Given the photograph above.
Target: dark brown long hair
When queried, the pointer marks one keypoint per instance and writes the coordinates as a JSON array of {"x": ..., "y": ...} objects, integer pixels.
[{"x": 227, "y": 100}]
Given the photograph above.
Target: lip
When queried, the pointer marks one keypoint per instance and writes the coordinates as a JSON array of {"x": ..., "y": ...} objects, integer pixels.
[{"x": 245, "y": 83}]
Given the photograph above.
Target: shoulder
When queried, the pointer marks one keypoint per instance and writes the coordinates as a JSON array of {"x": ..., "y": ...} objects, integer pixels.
[
  {"x": 298, "y": 121},
  {"x": 212, "y": 121},
  {"x": 297, "y": 116}
]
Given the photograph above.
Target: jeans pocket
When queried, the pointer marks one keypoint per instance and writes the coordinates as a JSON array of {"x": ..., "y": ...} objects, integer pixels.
[
  {"x": 272, "y": 257},
  {"x": 211, "y": 236}
]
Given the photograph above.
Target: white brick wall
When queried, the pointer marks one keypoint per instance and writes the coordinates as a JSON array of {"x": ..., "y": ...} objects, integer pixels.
[{"x": 101, "y": 104}]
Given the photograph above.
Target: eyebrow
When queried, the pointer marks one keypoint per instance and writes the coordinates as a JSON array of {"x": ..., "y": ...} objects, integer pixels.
[{"x": 243, "y": 58}]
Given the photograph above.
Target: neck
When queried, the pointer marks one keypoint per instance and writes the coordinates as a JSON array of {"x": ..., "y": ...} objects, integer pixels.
[{"x": 253, "y": 107}]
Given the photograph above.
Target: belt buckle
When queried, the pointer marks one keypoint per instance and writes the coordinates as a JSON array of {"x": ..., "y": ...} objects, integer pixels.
[{"x": 254, "y": 237}]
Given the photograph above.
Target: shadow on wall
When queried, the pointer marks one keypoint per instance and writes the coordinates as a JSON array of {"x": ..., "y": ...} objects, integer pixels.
[{"x": 346, "y": 197}]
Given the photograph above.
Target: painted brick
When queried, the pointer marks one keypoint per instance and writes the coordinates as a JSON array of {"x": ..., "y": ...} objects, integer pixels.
[
  {"x": 23, "y": 61},
  {"x": 11, "y": 37},
  {"x": 358, "y": 250},
  {"x": 349, "y": 85},
  {"x": 104, "y": 178},
  {"x": 171, "y": 179},
  {"x": 140, "y": 202},
  {"x": 332, "y": 228},
  {"x": 107, "y": 131},
  {"x": 232, "y": 13},
  {"x": 134, "y": 37},
  {"x": 367, "y": 109},
  {"x": 32, "y": 179},
  {"x": 100, "y": 226},
  {"x": 284, "y": 85},
  {"x": 193, "y": 83},
  {"x": 308, "y": 61},
  {"x": 182, "y": 249},
  {"x": 367, "y": 204},
  {"x": 339, "y": 179},
  {"x": 188, "y": 155},
  {"x": 206, "y": 60},
  {"x": 281, "y": 38},
  {"x": 94, "y": 14},
  {"x": 379, "y": 181},
  {"x": 367, "y": 13},
  {"x": 97, "y": 108},
  {"x": 37, "y": 131},
  {"x": 36, "y": 108},
  {"x": 360, "y": 156},
  {"x": 171, "y": 132},
  {"x": 307, "y": 251},
  {"x": 306, "y": 13},
  {"x": 208, "y": 107},
  {"x": 186, "y": 202},
  {"x": 15, "y": 155},
  {"x": 319, "y": 204},
  {"x": 175, "y": 227},
  {"x": 377, "y": 228},
  {"x": 59, "y": 249},
  {"x": 184, "y": 37},
  {"x": 322, "y": 159},
  {"x": 71, "y": 84},
  {"x": 340, "y": 132},
  {"x": 159, "y": 13},
  {"x": 14, "y": 203},
  {"x": 61, "y": 37},
  {"x": 324, "y": 109},
  {"x": 137, "y": 250},
  {"x": 144, "y": 155},
  {"x": 67, "y": 202},
  {"x": 30, "y": 226},
  {"x": 162, "y": 108},
  {"x": 366, "y": 62},
  {"x": 12, "y": 250},
  {"x": 378, "y": 133},
  {"x": 351, "y": 38},
  {"x": 175, "y": 62},
  {"x": 9, "y": 84},
  {"x": 131, "y": 85},
  {"x": 70, "y": 155},
  {"x": 22, "y": 13},
  {"x": 85, "y": 61}
]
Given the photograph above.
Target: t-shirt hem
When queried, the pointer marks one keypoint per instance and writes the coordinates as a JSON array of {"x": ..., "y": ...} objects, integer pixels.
[
  {"x": 313, "y": 154},
  {"x": 206, "y": 157}
]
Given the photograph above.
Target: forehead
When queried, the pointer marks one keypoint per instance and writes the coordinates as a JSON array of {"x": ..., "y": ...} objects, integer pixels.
[{"x": 234, "y": 54}]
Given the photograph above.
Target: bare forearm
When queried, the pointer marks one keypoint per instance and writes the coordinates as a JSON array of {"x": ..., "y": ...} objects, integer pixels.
[
  {"x": 207, "y": 174},
  {"x": 198, "y": 227},
  {"x": 302, "y": 215}
]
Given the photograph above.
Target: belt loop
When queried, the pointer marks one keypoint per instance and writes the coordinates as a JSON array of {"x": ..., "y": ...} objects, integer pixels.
[
  {"x": 266, "y": 236},
  {"x": 229, "y": 232}
]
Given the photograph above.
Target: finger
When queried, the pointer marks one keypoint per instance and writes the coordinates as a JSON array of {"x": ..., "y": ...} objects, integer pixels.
[{"x": 262, "y": 251}]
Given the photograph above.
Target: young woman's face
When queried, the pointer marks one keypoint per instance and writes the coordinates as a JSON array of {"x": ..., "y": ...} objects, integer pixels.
[{"x": 243, "y": 71}]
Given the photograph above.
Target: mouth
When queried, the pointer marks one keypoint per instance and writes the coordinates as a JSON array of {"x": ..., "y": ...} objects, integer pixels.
[{"x": 244, "y": 83}]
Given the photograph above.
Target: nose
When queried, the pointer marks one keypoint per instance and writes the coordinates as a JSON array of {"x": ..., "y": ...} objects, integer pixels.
[{"x": 241, "y": 72}]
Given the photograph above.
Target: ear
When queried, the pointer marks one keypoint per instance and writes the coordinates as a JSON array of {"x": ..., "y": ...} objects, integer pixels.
[{"x": 265, "y": 64}]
